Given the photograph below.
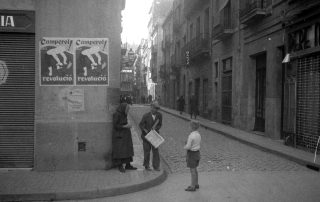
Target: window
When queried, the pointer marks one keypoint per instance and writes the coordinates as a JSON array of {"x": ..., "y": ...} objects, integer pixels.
[
  {"x": 225, "y": 16},
  {"x": 198, "y": 27},
  {"x": 178, "y": 52},
  {"x": 216, "y": 66},
  {"x": 217, "y": 5},
  {"x": 205, "y": 94},
  {"x": 179, "y": 14},
  {"x": 191, "y": 32},
  {"x": 206, "y": 21},
  {"x": 227, "y": 65}
]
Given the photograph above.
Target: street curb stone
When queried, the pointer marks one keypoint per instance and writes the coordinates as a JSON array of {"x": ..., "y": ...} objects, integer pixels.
[{"x": 90, "y": 194}]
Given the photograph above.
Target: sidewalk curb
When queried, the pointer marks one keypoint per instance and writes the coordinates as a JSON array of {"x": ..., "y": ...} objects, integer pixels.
[
  {"x": 305, "y": 163},
  {"x": 90, "y": 194}
]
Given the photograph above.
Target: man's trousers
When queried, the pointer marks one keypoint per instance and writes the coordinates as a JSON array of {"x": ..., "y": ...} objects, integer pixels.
[{"x": 147, "y": 147}]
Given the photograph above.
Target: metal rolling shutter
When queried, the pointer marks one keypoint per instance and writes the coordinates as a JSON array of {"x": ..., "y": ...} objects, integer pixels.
[
  {"x": 17, "y": 101},
  {"x": 308, "y": 102}
]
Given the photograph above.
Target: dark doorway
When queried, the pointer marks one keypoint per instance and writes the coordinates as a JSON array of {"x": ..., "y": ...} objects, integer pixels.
[
  {"x": 190, "y": 93},
  {"x": 226, "y": 91},
  {"x": 197, "y": 90},
  {"x": 261, "y": 63}
]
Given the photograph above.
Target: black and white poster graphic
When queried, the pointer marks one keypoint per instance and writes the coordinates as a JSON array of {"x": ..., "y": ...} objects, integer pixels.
[
  {"x": 57, "y": 61},
  {"x": 92, "y": 61}
]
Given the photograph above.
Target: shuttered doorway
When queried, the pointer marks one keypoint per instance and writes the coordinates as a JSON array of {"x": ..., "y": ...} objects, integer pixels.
[
  {"x": 17, "y": 100},
  {"x": 308, "y": 102}
]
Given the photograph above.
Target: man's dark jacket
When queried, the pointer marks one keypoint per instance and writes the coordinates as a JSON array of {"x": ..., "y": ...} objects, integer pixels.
[{"x": 147, "y": 122}]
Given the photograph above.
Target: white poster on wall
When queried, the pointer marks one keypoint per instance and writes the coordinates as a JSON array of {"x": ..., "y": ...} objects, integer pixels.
[{"x": 75, "y": 100}]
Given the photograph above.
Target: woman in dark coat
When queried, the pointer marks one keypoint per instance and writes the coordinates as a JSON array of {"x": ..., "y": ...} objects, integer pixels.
[
  {"x": 122, "y": 146},
  {"x": 193, "y": 106},
  {"x": 181, "y": 104}
]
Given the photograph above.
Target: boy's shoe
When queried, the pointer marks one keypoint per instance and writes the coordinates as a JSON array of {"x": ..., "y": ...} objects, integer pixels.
[
  {"x": 197, "y": 186},
  {"x": 147, "y": 168},
  {"x": 130, "y": 167},
  {"x": 156, "y": 169},
  {"x": 121, "y": 169},
  {"x": 190, "y": 188}
]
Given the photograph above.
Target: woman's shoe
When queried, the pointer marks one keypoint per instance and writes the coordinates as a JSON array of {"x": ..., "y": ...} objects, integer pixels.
[
  {"x": 130, "y": 167},
  {"x": 121, "y": 169},
  {"x": 190, "y": 188}
]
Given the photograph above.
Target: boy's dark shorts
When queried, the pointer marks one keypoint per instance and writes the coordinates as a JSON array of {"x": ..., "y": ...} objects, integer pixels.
[{"x": 193, "y": 158}]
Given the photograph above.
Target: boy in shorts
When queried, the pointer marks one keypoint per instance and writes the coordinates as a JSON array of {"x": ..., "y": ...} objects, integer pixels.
[{"x": 193, "y": 154}]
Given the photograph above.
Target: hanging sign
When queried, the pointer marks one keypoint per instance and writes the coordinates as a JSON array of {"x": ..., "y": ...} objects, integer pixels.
[
  {"x": 57, "y": 61},
  {"x": 92, "y": 61},
  {"x": 17, "y": 21}
]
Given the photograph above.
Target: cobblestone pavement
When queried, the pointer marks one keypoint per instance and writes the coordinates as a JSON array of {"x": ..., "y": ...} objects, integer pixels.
[{"x": 218, "y": 153}]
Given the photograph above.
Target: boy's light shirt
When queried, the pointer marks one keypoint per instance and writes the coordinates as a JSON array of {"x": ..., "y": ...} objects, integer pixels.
[{"x": 193, "y": 142}]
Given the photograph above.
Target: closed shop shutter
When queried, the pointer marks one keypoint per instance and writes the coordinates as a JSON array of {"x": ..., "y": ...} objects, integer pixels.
[
  {"x": 308, "y": 102},
  {"x": 17, "y": 100}
]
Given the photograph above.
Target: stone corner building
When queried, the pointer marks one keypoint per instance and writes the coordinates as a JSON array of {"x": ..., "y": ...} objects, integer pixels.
[{"x": 56, "y": 127}]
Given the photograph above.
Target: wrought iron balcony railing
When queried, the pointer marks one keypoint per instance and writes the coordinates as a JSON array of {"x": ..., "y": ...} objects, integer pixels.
[
  {"x": 198, "y": 47},
  {"x": 193, "y": 5},
  {"x": 222, "y": 30},
  {"x": 253, "y": 11}
]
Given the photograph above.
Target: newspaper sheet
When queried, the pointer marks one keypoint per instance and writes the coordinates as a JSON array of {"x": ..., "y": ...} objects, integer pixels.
[{"x": 154, "y": 138}]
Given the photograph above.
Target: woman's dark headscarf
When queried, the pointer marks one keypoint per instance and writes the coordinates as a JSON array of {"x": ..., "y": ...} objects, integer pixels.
[{"x": 122, "y": 108}]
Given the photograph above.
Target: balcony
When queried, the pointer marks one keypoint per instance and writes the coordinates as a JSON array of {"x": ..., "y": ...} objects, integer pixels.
[
  {"x": 163, "y": 73},
  {"x": 192, "y": 6},
  {"x": 167, "y": 42},
  {"x": 253, "y": 11},
  {"x": 123, "y": 49},
  {"x": 221, "y": 31},
  {"x": 175, "y": 60},
  {"x": 176, "y": 25},
  {"x": 163, "y": 45},
  {"x": 154, "y": 50},
  {"x": 198, "y": 47}
]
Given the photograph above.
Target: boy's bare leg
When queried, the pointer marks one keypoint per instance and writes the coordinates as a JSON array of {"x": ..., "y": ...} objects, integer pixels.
[{"x": 194, "y": 177}]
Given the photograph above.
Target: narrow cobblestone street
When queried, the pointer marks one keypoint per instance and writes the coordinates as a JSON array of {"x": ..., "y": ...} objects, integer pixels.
[
  {"x": 229, "y": 170},
  {"x": 218, "y": 153}
]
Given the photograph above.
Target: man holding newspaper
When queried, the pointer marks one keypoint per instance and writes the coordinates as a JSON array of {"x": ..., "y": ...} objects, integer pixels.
[{"x": 150, "y": 125}]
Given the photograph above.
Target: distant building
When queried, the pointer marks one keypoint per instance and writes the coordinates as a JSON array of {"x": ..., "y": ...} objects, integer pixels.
[
  {"x": 127, "y": 73},
  {"x": 198, "y": 69},
  {"x": 141, "y": 89},
  {"x": 251, "y": 64},
  {"x": 158, "y": 12}
]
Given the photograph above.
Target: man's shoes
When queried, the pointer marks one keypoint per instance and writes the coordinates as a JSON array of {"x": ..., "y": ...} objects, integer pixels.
[
  {"x": 156, "y": 169},
  {"x": 130, "y": 167},
  {"x": 190, "y": 188},
  {"x": 147, "y": 168},
  {"x": 197, "y": 186},
  {"x": 121, "y": 169}
]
